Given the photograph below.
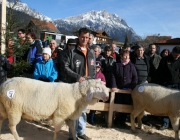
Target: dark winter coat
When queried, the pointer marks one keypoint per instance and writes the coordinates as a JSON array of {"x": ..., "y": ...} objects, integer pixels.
[
  {"x": 107, "y": 65},
  {"x": 169, "y": 71},
  {"x": 124, "y": 76},
  {"x": 154, "y": 64},
  {"x": 4, "y": 67},
  {"x": 74, "y": 62}
]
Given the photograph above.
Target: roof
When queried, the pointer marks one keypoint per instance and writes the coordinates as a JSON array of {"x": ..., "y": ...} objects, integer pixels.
[
  {"x": 45, "y": 26},
  {"x": 102, "y": 32},
  {"x": 158, "y": 37},
  {"x": 174, "y": 41}
]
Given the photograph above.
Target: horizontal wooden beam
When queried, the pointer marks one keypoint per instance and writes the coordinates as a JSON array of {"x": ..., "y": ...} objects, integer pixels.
[{"x": 99, "y": 106}]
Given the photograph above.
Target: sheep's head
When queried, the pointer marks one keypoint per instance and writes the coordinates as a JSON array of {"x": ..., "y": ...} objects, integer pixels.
[{"x": 94, "y": 89}]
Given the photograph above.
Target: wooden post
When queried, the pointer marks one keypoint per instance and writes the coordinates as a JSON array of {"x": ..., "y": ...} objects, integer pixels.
[
  {"x": 111, "y": 109},
  {"x": 3, "y": 26}
]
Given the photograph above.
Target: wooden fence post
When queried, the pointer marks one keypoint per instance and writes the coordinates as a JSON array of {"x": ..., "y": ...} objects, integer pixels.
[{"x": 111, "y": 109}]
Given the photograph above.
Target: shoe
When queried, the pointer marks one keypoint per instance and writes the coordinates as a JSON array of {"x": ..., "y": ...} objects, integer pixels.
[
  {"x": 84, "y": 137},
  {"x": 72, "y": 138},
  {"x": 149, "y": 124},
  {"x": 123, "y": 125},
  {"x": 163, "y": 127}
]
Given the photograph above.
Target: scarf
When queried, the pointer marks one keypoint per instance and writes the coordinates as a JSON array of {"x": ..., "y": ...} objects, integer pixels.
[{"x": 125, "y": 62}]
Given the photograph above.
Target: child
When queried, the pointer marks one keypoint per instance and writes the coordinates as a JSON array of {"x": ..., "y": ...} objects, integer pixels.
[
  {"x": 99, "y": 75},
  {"x": 45, "y": 70}
]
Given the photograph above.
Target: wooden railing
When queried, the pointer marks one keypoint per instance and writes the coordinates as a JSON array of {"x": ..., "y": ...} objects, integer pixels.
[{"x": 111, "y": 107}]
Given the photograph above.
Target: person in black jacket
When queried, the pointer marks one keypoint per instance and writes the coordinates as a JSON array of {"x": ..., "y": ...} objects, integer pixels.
[
  {"x": 169, "y": 75},
  {"x": 4, "y": 67},
  {"x": 79, "y": 63}
]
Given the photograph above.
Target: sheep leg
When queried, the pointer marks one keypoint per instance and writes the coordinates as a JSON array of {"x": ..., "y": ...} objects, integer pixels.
[
  {"x": 57, "y": 126},
  {"x": 175, "y": 125},
  {"x": 14, "y": 119},
  {"x": 134, "y": 114},
  {"x": 140, "y": 116},
  {"x": 72, "y": 125},
  {"x": 1, "y": 122},
  {"x": 3, "y": 115}
]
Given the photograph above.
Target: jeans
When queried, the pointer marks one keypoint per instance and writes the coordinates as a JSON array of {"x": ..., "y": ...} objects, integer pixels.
[{"x": 80, "y": 124}]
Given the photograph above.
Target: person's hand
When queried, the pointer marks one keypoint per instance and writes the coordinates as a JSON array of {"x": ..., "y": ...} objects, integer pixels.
[
  {"x": 81, "y": 79},
  {"x": 114, "y": 89}
]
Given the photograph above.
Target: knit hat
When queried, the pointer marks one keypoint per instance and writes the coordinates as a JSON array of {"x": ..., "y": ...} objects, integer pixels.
[
  {"x": 98, "y": 64},
  {"x": 47, "y": 50}
]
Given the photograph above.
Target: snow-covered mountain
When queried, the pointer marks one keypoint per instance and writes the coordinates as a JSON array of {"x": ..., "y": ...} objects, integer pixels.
[
  {"x": 23, "y": 7},
  {"x": 112, "y": 24}
]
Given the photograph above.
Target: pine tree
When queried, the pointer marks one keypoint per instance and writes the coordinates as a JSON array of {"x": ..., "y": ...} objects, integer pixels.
[
  {"x": 18, "y": 48},
  {"x": 126, "y": 42}
]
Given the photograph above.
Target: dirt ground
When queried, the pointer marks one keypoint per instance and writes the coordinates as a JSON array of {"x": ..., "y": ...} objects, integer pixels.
[{"x": 36, "y": 131}]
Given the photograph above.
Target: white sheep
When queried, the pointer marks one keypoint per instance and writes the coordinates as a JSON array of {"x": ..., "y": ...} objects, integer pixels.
[
  {"x": 157, "y": 100},
  {"x": 37, "y": 100}
]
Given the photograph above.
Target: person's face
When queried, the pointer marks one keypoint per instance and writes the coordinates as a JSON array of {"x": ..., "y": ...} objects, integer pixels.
[
  {"x": 53, "y": 45},
  {"x": 152, "y": 49},
  {"x": 46, "y": 56},
  {"x": 83, "y": 39},
  {"x": 98, "y": 69},
  {"x": 29, "y": 39},
  {"x": 165, "y": 54},
  {"x": 108, "y": 53},
  {"x": 70, "y": 45},
  {"x": 21, "y": 34},
  {"x": 140, "y": 52},
  {"x": 175, "y": 55},
  {"x": 125, "y": 57},
  {"x": 10, "y": 42},
  {"x": 114, "y": 47},
  {"x": 91, "y": 39},
  {"x": 96, "y": 51}
]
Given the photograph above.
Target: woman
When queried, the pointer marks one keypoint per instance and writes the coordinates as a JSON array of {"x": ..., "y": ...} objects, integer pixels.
[
  {"x": 107, "y": 64},
  {"x": 45, "y": 70},
  {"x": 124, "y": 76},
  {"x": 165, "y": 53}
]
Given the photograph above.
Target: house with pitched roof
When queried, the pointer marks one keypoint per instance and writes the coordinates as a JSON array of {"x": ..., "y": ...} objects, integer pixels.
[
  {"x": 102, "y": 37},
  {"x": 44, "y": 30},
  {"x": 168, "y": 44}
]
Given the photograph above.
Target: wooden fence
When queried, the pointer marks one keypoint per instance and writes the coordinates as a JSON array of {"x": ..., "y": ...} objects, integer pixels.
[{"x": 111, "y": 107}]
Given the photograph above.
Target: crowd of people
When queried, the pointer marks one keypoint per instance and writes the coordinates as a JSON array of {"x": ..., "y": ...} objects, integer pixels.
[{"x": 80, "y": 60}]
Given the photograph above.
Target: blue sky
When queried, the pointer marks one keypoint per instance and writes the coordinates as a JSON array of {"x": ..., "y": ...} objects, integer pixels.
[{"x": 146, "y": 17}]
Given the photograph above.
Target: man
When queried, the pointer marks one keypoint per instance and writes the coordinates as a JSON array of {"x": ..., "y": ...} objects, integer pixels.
[
  {"x": 97, "y": 51},
  {"x": 79, "y": 63},
  {"x": 154, "y": 63},
  {"x": 141, "y": 62},
  {"x": 169, "y": 75},
  {"x": 21, "y": 34},
  {"x": 61, "y": 73},
  {"x": 114, "y": 54},
  {"x": 91, "y": 39}
]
